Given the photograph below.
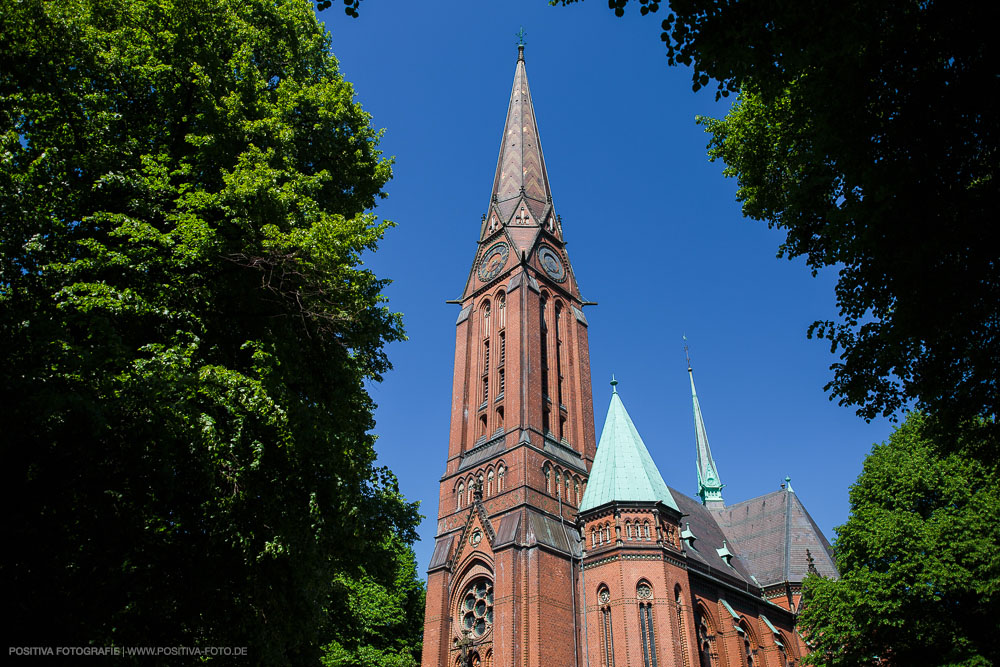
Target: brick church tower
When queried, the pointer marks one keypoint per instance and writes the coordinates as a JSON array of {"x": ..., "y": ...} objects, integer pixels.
[
  {"x": 552, "y": 550},
  {"x": 501, "y": 578}
]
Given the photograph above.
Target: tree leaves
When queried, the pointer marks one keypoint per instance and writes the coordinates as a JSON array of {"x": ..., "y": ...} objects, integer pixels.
[
  {"x": 920, "y": 576},
  {"x": 188, "y": 333}
]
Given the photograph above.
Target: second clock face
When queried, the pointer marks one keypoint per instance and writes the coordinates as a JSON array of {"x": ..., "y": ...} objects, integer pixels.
[
  {"x": 493, "y": 261},
  {"x": 552, "y": 263}
]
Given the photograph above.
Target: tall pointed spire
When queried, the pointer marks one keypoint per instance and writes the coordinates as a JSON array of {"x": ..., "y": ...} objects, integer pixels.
[
  {"x": 521, "y": 195},
  {"x": 709, "y": 482}
]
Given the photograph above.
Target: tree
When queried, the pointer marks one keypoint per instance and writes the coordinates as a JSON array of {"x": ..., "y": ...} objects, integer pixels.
[
  {"x": 920, "y": 572},
  {"x": 186, "y": 328},
  {"x": 378, "y": 619},
  {"x": 868, "y": 132}
]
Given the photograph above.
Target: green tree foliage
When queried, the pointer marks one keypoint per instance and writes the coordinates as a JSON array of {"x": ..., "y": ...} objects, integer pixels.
[
  {"x": 920, "y": 569},
  {"x": 186, "y": 327},
  {"x": 869, "y": 132},
  {"x": 378, "y": 617}
]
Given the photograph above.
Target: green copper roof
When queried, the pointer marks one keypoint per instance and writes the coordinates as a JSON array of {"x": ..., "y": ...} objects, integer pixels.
[
  {"x": 623, "y": 469},
  {"x": 709, "y": 483}
]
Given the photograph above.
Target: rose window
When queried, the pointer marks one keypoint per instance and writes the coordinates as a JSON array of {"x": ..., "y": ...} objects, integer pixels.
[{"x": 477, "y": 607}]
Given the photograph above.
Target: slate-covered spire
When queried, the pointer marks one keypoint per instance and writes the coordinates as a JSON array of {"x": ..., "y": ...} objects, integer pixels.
[
  {"x": 623, "y": 470},
  {"x": 521, "y": 196},
  {"x": 709, "y": 482}
]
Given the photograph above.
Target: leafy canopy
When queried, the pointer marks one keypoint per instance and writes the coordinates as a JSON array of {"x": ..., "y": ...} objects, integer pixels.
[
  {"x": 186, "y": 324},
  {"x": 868, "y": 132},
  {"x": 378, "y": 621},
  {"x": 920, "y": 572}
]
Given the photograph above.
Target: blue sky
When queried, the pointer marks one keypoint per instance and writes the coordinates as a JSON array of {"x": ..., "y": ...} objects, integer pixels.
[{"x": 655, "y": 236}]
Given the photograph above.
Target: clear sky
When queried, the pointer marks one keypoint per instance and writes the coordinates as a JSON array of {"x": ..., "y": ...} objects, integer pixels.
[{"x": 655, "y": 236}]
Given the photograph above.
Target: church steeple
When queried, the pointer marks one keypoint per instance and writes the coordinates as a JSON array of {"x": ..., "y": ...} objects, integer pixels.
[
  {"x": 709, "y": 482},
  {"x": 521, "y": 199},
  {"x": 522, "y": 419}
]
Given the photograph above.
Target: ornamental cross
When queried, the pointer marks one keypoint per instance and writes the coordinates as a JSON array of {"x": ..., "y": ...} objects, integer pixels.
[
  {"x": 463, "y": 645},
  {"x": 520, "y": 36},
  {"x": 522, "y": 217}
]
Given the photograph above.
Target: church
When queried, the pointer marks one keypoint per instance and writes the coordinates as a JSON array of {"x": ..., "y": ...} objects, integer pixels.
[{"x": 554, "y": 549}]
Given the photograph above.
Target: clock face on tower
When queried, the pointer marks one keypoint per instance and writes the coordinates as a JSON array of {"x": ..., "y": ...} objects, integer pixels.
[
  {"x": 552, "y": 263},
  {"x": 493, "y": 261}
]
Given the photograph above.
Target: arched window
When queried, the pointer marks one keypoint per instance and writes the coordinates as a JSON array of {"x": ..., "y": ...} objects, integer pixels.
[
  {"x": 558, "y": 484},
  {"x": 628, "y": 530},
  {"x": 475, "y": 611},
  {"x": 500, "y": 473},
  {"x": 500, "y": 410},
  {"x": 486, "y": 371},
  {"x": 489, "y": 484},
  {"x": 486, "y": 351},
  {"x": 682, "y": 631},
  {"x": 543, "y": 362},
  {"x": 501, "y": 311},
  {"x": 568, "y": 489},
  {"x": 645, "y": 530},
  {"x": 644, "y": 593},
  {"x": 576, "y": 491},
  {"x": 749, "y": 645},
  {"x": 482, "y": 426},
  {"x": 593, "y": 537},
  {"x": 789, "y": 651},
  {"x": 548, "y": 479},
  {"x": 607, "y": 633},
  {"x": 706, "y": 639},
  {"x": 461, "y": 492},
  {"x": 559, "y": 378}
]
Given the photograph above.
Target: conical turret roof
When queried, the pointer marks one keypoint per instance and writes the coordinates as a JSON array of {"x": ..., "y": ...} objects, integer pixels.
[{"x": 623, "y": 470}]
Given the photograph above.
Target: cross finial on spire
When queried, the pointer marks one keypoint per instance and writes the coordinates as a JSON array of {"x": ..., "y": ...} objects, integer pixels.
[
  {"x": 520, "y": 44},
  {"x": 687, "y": 354},
  {"x": 614, "y": 384}
]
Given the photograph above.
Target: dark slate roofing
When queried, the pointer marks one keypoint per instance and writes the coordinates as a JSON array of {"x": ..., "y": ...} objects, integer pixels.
[
  {"x": 520, "y": 166},
  {"x": 772, "y": 532},
  {"x": 442, "y": 550},
  {"x": 550, "y": 532},
  {"x": 508, "y": 531},
  {"x": 709, "y": 536}
]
